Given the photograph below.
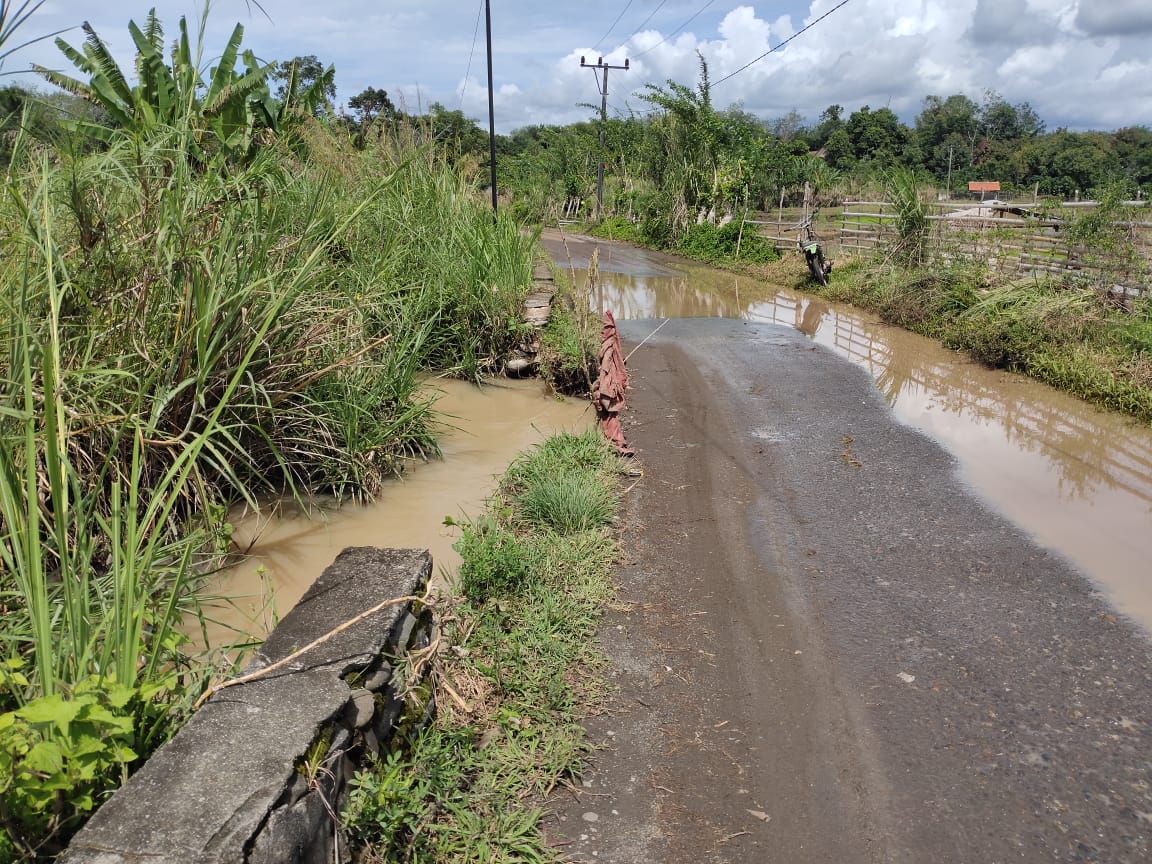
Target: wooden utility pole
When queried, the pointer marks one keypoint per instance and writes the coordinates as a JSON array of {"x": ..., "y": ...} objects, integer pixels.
[{"x": 600, "y": 64}]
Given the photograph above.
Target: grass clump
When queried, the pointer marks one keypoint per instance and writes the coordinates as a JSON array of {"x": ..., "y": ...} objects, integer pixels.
[
  {"x": 560, "y": 488},
  {"x": 566, "y": 504},
  {"x": 524, "y": 667},
  {"x": 569, "y": 343},
  {"x": 617, "y": 228}
]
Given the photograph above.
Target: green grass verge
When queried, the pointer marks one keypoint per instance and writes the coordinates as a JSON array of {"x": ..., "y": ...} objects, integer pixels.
[{"x": 523, "y": 657}]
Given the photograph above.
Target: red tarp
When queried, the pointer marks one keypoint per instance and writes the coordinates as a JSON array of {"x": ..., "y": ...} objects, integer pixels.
[{"x": 608, "y": 392}]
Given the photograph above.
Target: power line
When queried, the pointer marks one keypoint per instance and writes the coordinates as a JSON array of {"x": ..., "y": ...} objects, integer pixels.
[
  {"x": 595, "y": 67},
  {"x": 651, "y": 15},
  {"x": 471, "y": 54},
  {"x": 614, "y": 23},
  {"x": 781, "y": 45},
  {"x": 699, "y": 12}
]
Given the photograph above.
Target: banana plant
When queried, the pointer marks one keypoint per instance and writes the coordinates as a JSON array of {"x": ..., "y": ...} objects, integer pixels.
[{"x": 221, "y": 113}]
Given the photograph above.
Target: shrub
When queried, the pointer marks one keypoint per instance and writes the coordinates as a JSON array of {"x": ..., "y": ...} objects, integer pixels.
[
  {"x": 495, "y": 564},
  {"x": 618, "y": 228},
  {"x": 720, "y": 243},
  {"x": 62, "y": 755}
]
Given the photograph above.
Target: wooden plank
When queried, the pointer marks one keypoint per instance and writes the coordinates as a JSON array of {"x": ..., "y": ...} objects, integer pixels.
[{"x": 883, "y": 217}]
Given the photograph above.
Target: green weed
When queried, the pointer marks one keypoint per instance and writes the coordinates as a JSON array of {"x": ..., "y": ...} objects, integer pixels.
[
  {"x": 617, "y": 228},
  {"x": 495, "y": 562},
  {"x": 731, "y": 242},
  {"x": 59, "y": 752}
]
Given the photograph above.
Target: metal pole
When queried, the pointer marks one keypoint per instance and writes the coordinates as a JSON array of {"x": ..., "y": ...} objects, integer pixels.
[{"x": 491, "y": 104}]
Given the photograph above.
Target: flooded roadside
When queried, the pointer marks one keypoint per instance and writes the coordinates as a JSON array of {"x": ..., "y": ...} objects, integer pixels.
[
  {"x": 1076, "y": 478},
  {"x": 289, "y": 549}
]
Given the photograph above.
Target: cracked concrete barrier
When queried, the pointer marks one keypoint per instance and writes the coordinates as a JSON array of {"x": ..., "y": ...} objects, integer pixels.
[{"x": 253, "y": 774}]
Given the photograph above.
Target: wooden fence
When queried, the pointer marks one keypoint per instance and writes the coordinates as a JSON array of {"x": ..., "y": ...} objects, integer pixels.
[{"x": 1010, "y": 238}]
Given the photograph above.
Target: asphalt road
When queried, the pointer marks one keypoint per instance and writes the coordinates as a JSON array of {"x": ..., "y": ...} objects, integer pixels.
[{"x": 830, "y": 651}]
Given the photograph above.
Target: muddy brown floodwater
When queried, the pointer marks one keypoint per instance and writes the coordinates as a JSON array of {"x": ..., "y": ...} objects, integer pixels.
[
  {"x": 289, "y": 550},
  {"x": 1079, "y": 480}
]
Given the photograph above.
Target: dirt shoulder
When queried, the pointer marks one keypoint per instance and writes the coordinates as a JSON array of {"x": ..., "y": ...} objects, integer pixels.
[{"x": 831, "y": 651}]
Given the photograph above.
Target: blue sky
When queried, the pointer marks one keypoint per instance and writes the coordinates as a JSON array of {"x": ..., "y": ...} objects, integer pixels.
[{"x": 1081, "y": 63}]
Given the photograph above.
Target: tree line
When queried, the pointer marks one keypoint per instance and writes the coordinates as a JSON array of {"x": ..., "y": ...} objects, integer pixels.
[{"x": 674, "y": 161}]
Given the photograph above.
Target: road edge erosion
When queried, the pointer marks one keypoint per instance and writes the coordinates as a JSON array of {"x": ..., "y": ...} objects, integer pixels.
[
  {"x": 255, "y": 773},
  {"x": 347, "y": 725}
]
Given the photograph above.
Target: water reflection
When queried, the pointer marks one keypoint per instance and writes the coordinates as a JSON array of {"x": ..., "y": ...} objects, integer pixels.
[{"x": 1078, "y": 479}]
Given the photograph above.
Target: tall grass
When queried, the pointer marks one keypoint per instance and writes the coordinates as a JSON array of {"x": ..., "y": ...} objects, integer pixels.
[{"x": 178, "y": 335}]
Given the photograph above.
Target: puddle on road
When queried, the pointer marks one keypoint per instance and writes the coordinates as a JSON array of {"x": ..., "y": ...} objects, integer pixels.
[
  {"x": 1076, "y": 478},
  {"x": 291, "y": 549}
]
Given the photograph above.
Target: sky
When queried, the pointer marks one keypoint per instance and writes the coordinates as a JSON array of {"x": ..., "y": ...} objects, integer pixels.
[{"x": 1082, "y": 64}]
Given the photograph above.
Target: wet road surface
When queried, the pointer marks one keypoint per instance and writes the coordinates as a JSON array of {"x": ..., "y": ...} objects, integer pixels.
[
  {"x": 1077, "y": 479},
  {"x": 832, "y": 651}
]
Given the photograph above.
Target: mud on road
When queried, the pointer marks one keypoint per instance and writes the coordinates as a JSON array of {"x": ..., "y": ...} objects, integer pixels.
[{"x": 830, "y": 651}]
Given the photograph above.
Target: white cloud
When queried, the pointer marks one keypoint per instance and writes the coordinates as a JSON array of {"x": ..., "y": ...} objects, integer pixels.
[
  {"x": 1034, "y": 62},
  {"x": 1067, "y": 57}
]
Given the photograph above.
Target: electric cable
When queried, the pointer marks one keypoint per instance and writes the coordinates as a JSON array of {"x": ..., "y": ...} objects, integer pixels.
[
  {"x": 651, "y": 15},
  {"x": 471, "y": 54},
  {"x": 699, "y": 12},
  {"x": 782, "y": 44},
  {"x": 614, "y": 23}
]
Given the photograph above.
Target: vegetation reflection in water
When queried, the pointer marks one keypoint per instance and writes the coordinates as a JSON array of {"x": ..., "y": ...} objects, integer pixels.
[{"x": 1078, "y": 479}]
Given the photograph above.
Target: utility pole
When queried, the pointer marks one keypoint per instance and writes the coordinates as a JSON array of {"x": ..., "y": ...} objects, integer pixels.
[
  {"x": 600, "y": 64},
  {"x": 491, "y": 105}
]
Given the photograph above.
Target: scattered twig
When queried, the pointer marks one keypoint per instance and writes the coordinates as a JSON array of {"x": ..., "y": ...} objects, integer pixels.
[
  {"x": 734, "y": 836},
  {"x": 848, "y": 454},
  {"x": 280, "y": 664},
  {"x": 450, "y": 690}
]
